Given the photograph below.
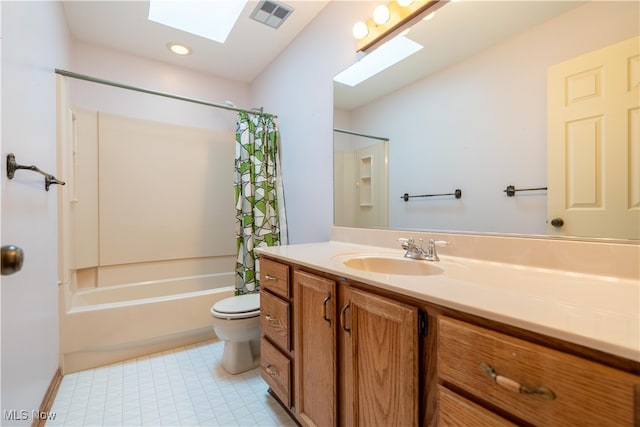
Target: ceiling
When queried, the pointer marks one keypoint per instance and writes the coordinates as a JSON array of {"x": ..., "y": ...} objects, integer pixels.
[
  {"x": 456, "y": 31},
  {"x": 249, "y": 49},
  {"x": 466, "y": 27}
]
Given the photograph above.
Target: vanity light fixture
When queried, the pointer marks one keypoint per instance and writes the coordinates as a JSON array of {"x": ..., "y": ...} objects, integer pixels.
[
  {"x": 360, "y": 30},
  {"x": 179, "y": 49},
  {"x": 381, "y": 14},
  {"x": 388, "y": 19}
]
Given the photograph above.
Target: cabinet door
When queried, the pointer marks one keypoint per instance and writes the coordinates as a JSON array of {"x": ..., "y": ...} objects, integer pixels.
[
  {"x": 315, "y": 349},
  {"x": 381, "y": 360}
]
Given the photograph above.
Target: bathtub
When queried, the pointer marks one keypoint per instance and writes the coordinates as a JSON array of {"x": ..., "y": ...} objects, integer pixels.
[{"x": 99, "y": 326}]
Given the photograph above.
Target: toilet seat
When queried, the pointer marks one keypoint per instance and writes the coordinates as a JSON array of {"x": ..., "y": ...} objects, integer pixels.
[{"x": 237, "y": 307}]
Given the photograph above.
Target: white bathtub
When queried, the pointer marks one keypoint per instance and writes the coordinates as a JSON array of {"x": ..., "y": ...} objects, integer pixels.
[{"x": 106, "y": 325}]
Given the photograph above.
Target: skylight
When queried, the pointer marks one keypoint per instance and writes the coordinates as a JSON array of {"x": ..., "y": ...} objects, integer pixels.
[
  {"x": 383, "y": 57},
  {"x": 210, "y": 19}
]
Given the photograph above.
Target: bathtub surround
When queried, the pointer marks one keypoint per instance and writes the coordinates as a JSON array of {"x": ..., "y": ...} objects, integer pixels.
[
  {"x": 147, "y": 242},
  {"x": 258, "y": 195}
]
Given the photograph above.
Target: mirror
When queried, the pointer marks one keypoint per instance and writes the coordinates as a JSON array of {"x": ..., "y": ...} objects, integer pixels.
[{"x": 469, "y": 112}]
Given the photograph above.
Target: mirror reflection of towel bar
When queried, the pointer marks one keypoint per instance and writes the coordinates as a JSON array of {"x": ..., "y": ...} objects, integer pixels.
[
  {"x": 511, "y": 190},
  {"x": 13, "y": 166},
  {"x": 457, "y": 194}
]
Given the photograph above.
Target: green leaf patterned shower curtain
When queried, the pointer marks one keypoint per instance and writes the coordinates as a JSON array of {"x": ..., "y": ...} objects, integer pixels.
[{"x": 258, "y": 195}]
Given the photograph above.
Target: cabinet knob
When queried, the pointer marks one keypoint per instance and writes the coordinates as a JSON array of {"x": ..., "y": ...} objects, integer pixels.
[
  {"x": 272, "y": 320},
  {"x": 271, "y": 371}
]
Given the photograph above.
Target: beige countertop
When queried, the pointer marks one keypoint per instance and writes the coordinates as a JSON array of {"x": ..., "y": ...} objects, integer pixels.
[{"x": 595, "y": 311}]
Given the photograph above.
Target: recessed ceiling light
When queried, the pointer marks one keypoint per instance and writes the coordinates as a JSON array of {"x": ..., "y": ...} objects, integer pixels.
[{"x": 179, "y": 49}]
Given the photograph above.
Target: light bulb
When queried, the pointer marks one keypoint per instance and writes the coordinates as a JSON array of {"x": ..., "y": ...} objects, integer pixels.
[
  {"x": 179, "y": 49},
  {"x": 360, "y": 30},
  {"x": 381, "y": 14},
  {"x": 404, "y": 3}
]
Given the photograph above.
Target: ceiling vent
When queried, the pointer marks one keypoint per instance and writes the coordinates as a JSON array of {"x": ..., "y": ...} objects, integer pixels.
[{"x": 271, "y": 13}]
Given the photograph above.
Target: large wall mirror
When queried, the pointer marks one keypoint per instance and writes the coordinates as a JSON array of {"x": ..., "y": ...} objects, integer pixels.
[{"x": 470, "y": 112}]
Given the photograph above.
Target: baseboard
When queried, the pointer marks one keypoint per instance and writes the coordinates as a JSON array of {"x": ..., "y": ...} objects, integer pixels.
[{"x": 47, "y": 400}]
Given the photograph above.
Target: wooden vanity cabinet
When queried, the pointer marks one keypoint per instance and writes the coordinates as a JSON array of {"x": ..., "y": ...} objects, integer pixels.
[
  {"x": 316, "y": 356},
  {"x": 276, "y": 351},
  {"x": 356, "y": 355},
  {"x": 531, "y": 383},
  {"x": 379, "y": 360}
]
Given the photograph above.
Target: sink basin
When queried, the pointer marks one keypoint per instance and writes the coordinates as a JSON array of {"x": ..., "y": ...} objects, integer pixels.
[{"x": 392, "y": 265}]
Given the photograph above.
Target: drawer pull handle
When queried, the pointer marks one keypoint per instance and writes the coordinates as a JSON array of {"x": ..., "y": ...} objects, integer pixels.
[
  {"x": 515, "y": 386},
  {"x": 271, "y": 371},
  {"x": 272, "y": 320},
  {"x": 268, "y": 277},
  {"x": 343, "y": 315},
  {"x": 324, "y": 308}
]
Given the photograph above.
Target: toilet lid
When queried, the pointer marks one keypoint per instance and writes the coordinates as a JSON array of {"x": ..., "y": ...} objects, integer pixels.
[{"x": 241, "y": 306}]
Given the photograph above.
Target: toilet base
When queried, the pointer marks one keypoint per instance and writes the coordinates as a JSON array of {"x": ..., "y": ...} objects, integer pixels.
[{"x": 241, "y": 356}]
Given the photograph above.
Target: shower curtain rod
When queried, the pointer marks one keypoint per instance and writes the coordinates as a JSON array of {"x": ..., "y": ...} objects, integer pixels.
[
  {"x": 155, "y": 92},
  {"x": 350, "y": 132}
]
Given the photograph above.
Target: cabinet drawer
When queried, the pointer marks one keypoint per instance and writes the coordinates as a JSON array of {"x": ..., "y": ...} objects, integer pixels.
[
  {"x": 455, "y": 410},
  {"x": 275, "y": 277},
  {"x": 275, "y": 368},
  {"x": 274, "y": 319},
  {"x": 585, "y": 392}
]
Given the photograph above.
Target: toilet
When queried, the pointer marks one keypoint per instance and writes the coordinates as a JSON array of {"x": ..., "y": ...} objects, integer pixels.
[{"x": 236, "y": 321}]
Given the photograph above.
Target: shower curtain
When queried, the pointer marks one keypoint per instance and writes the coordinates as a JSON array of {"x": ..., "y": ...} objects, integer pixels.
[{"x": 259, "y": 200}]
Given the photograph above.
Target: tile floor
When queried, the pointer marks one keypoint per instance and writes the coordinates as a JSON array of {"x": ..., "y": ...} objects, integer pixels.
[{"x": 186, "y": 386}]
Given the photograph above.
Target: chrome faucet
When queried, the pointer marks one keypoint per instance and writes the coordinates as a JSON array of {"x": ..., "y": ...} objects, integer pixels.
[{"x": 419, "y": 253}]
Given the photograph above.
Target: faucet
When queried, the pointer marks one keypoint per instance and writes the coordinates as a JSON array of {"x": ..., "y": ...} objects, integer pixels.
[{"x": 419, "y": 253}]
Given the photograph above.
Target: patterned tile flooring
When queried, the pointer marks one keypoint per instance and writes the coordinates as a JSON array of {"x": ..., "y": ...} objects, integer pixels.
[{"x": 186, "y": 386}]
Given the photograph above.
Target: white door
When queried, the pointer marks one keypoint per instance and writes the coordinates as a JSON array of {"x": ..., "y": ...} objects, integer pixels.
[
  {"x": 29, "y": 298},
  {"x": 594, "y": 144}
]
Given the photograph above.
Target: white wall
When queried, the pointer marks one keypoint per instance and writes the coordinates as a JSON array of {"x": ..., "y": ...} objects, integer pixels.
[
  {"x": 34, "y": 42},
  {"x": 298, "y": 86},
  {"x": 121, "y": 67}
]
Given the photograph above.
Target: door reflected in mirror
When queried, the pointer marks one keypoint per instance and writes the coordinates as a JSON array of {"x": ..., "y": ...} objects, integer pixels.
[{"x": 475, "y": 118}]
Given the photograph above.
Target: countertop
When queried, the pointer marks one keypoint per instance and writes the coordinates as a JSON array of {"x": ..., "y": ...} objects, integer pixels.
[{"x": 598, "y": 312}]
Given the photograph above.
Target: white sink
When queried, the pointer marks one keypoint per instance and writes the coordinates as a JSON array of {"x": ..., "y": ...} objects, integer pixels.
[{"x": 391, "y": 265}]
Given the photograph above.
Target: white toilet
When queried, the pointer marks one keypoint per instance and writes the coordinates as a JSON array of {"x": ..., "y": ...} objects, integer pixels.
[{"x": 236, "y": 321}]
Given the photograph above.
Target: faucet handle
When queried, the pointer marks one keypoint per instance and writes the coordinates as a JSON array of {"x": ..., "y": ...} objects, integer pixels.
[
  {"x": 406, "y": 243},
  {"x": 433, "y": 253}
]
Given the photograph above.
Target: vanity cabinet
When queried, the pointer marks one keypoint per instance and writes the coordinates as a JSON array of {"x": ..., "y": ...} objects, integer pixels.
[
  {"x": 358, "y": 362},
  {"x": 316, "y": 356},
  {"x": 380, "y": 354},
  {"x": 528, "y": 382},
  {"x": 357, "y": 355},
  {"x": 276, "y": 357}
]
